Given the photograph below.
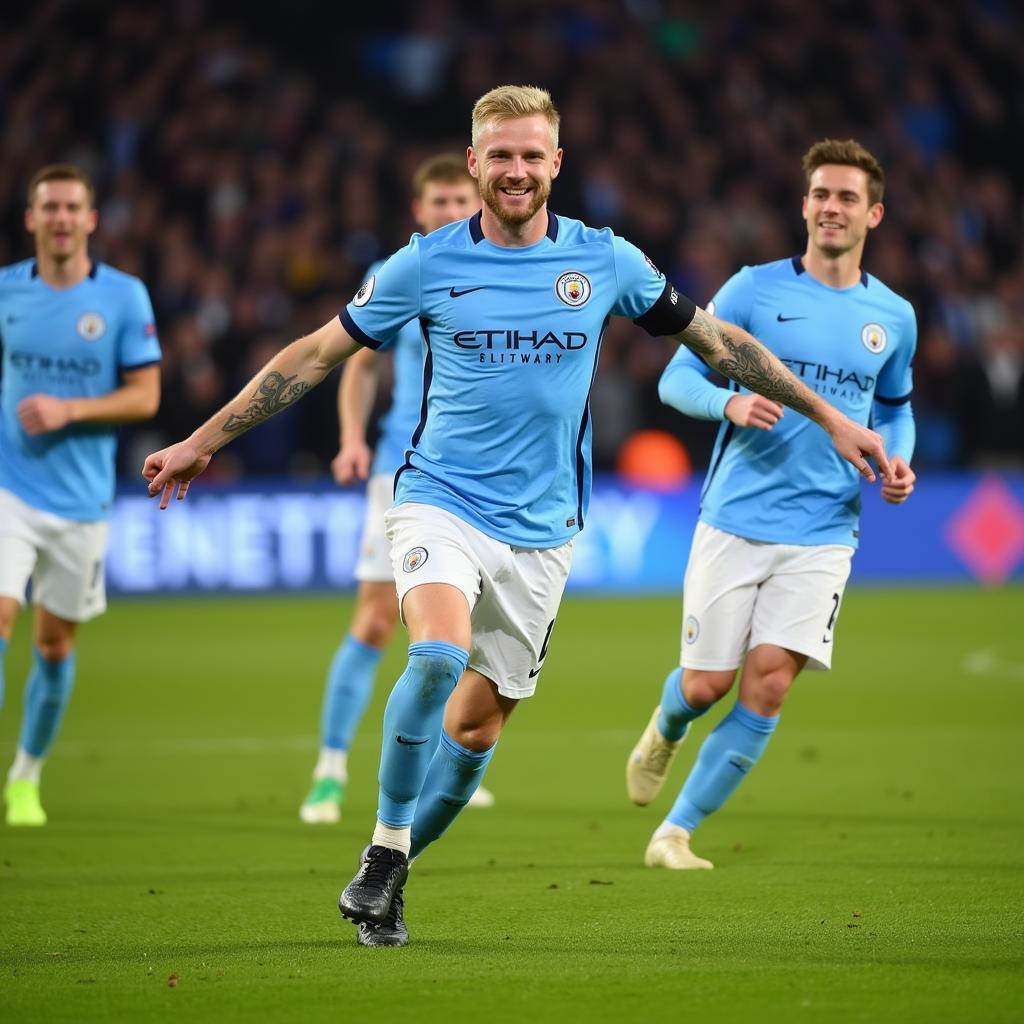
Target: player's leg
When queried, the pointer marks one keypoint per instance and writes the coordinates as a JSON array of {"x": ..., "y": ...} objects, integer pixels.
[
  {"x": 738, "y": 741},
  {"x": 438, "y": 619},
  {"x": 721, "y": 588},
  {"x": 791, "y": 627},
  {"x": 353, "y": 668},
  {"x": 513, "y": 623},
  {"x": 47, "y": 693},
  {"x": 719, "y": 591},
  {"x": 438, "y": 580},
  {"x": 348, "y": 688},
  {"x": 9, "y": 608},
  {"x": 20, "y": 541},
  {"x": 473, "y": 721}
]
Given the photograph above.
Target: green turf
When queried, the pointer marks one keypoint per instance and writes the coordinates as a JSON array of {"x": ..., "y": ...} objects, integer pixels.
[{"x": 869, "y": 870}]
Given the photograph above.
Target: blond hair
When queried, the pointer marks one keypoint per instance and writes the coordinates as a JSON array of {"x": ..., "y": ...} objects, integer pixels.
[
  {"x": 446, "y": 168},
  {"x": 512, "y": 101},
  {"x": 846, "y": 153}
]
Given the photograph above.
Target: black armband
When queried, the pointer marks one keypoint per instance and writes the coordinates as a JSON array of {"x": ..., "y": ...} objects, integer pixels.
[{"x": 671, "y": 313}]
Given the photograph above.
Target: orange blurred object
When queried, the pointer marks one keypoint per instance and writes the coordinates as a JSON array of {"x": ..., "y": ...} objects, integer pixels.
[{"x": 654, "y": 459}]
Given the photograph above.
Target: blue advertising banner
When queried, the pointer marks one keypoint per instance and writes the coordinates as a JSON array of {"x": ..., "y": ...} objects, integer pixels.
[{"x": 282, "y": 536}]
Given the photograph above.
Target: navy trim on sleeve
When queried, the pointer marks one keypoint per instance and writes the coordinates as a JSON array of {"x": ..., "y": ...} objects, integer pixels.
[
  {"x": 902, "y": 400},
  {"x": 671, "y": 313},
  {"x": 357, "y": 332}
]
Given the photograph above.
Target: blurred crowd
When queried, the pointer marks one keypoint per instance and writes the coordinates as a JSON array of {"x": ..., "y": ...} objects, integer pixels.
[{"x": 250, "y": 165}]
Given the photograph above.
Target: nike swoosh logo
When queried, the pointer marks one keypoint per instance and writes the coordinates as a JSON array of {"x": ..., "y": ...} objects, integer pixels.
[
  {"x": 826, "y": 639},
  {"x": 410, "y": 743},
  {"x": 535, "y": 672},
  {"x": 785, "y": 319},
  {"x": 465, "y": 291}
]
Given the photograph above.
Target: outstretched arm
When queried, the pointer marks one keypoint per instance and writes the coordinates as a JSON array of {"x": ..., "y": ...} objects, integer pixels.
[
  {"x": 741, "y": 357},
  {"x": 283, "y": 381}
]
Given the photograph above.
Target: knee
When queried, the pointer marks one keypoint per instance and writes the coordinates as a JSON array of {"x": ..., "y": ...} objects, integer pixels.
[
  {"x": 478, "y": 737},
  {"x": 55, "y": 648},
  {"x": 375, "y": 623},
  {"x": 768, "y": 691},
  {"x": 702, "y": 689},
  {"x": 377, "y": 628},
  {"x": 8, "y": 613}
]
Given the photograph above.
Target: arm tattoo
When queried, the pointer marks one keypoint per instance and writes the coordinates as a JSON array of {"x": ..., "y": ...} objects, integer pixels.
[
  {"x": 274, "y": 394},
  {"x": 747, "y": 362}
]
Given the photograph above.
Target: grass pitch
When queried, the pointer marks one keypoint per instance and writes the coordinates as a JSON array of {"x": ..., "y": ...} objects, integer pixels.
[{"x": 870, "y": 869}]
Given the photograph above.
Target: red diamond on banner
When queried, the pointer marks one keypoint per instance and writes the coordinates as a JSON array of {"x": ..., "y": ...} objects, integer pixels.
[{"x": 987, "y": 531}]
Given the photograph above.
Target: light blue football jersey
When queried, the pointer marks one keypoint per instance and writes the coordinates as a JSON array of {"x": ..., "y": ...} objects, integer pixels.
[
  {"x": 853, "y": 346},
  {"x": 512, "y": 339},
  {"x": 71, "y": 343},
  {"x": 399, "y": 422}
]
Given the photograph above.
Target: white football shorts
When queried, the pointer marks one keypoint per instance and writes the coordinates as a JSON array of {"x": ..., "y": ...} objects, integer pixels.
[
  {"x": 374, "y": 565},
  {"x": 741, "y": 593},
  {"x": 513, "y": 593},
  {"x": 62, "y": 557}
]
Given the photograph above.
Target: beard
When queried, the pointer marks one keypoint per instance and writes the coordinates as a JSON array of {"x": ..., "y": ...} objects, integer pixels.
[{"x": 491, "y": 195}]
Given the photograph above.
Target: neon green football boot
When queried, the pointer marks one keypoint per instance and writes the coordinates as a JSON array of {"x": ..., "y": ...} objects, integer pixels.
[
  {"x": 323, "y": 804},
  {"x": 23, "y": 806}
]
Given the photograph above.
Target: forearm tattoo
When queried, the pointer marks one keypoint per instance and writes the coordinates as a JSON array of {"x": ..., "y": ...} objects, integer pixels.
[
  {"x": 747, "y": 362},
  {"x": 274, "y": 394}
]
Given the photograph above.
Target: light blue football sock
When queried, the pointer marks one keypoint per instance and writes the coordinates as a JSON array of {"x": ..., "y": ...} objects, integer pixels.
[
  {"x": 453, "y": 777},
  {"x": 676, "y": 714},
  {"x": 47, "y": 693},
  {"x": 3, "y": 651},
  {"x": 412, "y": 725},
  {"x": 349, "y": 685},
  {"x": 725, "y": 758}
]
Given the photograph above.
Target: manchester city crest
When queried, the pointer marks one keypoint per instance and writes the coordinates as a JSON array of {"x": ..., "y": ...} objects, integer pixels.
[
  {"x": 573, "y": 288},
  {"x": 362, "y": 297},
  {"x": 874, "y": 337},
  {"x": 414, "y": 559},
  {"x": 691, "y": 629},
  {"x": 91, "y": 326}
]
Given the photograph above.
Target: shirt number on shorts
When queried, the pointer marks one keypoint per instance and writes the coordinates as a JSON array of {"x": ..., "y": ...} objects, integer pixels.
[
  {"x": 543, "y": 649},
  {"x": 826, "y": 639}
]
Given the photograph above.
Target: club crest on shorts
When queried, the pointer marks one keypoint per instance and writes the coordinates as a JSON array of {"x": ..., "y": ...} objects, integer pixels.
[
  {"x": 874, "y": 337},
  {"x": 362, "y": 297},
  {"x": 414, "y": 559},
  {"x": 91, "y": 326},
  {"x": 573, "y": 288},
  {"x": 691, "y": 629}
]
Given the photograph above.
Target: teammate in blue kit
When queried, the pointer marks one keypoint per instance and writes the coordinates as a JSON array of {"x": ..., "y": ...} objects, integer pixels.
[
  {"x": 779, "y": 511},
  {"x": 495, "y": 482},
  {"x": 80, "y": 355},
  {"x": 443, "y": 191}
]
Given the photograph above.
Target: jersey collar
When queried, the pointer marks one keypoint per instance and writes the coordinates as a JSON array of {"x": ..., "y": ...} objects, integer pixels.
[
  {"x": 798, "y": 266},
  {"x": 93, "y": 269},
  {"x": 476, "y": 232}
]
